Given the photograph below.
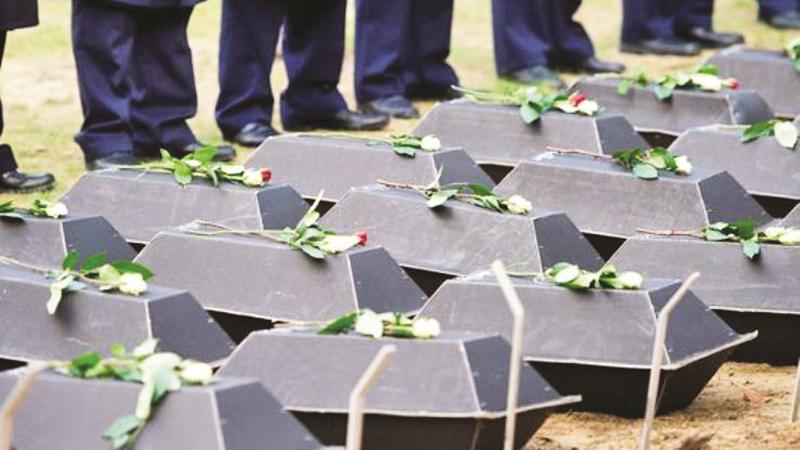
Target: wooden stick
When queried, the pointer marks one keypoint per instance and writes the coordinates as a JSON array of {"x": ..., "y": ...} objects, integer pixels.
[
  {"x": 690, "y": 233},
  {"x": 575, "y": 151},
  {"x": 658, "y": 354},
  {"x": 355, "y": 418},
  {"x": 515, "y": 365},
  {"x": 795, "y": 397},
  {"x": 14, "y": 401}
]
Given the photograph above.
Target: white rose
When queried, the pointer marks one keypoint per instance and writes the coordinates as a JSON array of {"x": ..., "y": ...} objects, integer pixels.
[
  {"x": 252, "y": 178},
  {"x": 631, "y": 280},
  {"x": 56, "y": 210},
  {"x": 518, "y": 204},
  {"x": 773, "y": 233},
  {"x": 195, "y": 372},
  {"x": 430, "y": 143},
  {"x": 707, "y": 82},
  {"x": 132, "y": 283},
  {"x": 786, "y": 134},
  {"x": 684, "y": 165},
  {"x": 369, "y": 324},
  {"x": 426, "y": 328},
  {"x": 334, "y": 244},
  {"x": 588, "y": 107},
  {"x": 790, "y": 237}
]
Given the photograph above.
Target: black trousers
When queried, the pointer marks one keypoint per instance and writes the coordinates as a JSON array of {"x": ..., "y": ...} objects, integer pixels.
[
  {"x": 2, "y": 50},
  {"x": 7, "y": 162}
]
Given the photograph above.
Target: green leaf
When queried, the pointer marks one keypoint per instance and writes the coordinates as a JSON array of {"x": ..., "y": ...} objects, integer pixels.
[
  {"x": 183, "y": 173},
  {"x": 122, "y": 427},
  {"x": 645, "y": 171},
  {"x": 715, "y": 235},
  {"x": 70, "y": 261},
  {"x": 405, "y": 150},
  {"x": 751, "y": 248},
  {"x": 341, "y": 324},
  {"x": 57, "y": 292},
  {"x": 797, "y": 65},
  {"x": 624, "y": 87},
  {"x": 123, "y": 266},
  {"x": 745, "y": 229},
  {"x": 118, "y": 350},
  {"x": 481, "y": 189},
  {"x": 312, "y": 251},
  {"x": 529, "y": 113},
  {"x": 758, "y": 130},
  {"x": 567, "y": 274},
  {"x": 205, "y": 155},
  {"x": 663, "y": 92},
  {"x": 83, "y": 363},
  {"x": 146, "y": 348},
  {"x": 439, "y": 198},
  {"x": 93, "y": 262}
]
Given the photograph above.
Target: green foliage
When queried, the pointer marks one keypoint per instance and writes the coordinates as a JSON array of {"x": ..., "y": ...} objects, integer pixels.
[
  {"x": 573, "y": 277},
  {"x": 367, "y": 323},
  {"x": 408, "y": 145},
  {"x": 201, "y": 164},
  {"x": 793, "y": 51},
  {"x": 786, "y": 133},
  {"x": 159, "y": 373},
  {"x": 533, "y": 101},
  {"x": 314, "y": 240},
  {"x": 639, "y": 78},
  {"x": 743, "y": 231},
  {"x": 705, "y": 77},
  {"x": 647, "y": 163},
  {"x": 38, "y": 208}
]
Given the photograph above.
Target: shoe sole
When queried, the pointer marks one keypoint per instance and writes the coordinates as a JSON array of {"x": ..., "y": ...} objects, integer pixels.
[
  {"x": 28, "y": 191},
  {"x": 640, "y": 51}
]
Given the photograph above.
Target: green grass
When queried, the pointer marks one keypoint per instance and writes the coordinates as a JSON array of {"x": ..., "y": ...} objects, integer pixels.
[{"x": 43, "y": 113}]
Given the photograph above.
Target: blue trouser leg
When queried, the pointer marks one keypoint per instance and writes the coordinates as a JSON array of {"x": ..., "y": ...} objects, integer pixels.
[
  {"x": 313, "y": 51},
  {"x": 7, "y": 161},
  {"x": 568, "y": 39},
  {"x": 2, "y": 51},
  {"x": 695, "y": 14},
  {"x": 425, "y": 56},
  {"x": 163, "y": 94},
  {"x": 382, "y": 34},
  {"x": 648, "y": 19},
  {"x": 249, "y": 37},
  {"x": 520, "y": 35},
  {"x": 769, "y": 8},
  {"x": 102, "y": 40}
]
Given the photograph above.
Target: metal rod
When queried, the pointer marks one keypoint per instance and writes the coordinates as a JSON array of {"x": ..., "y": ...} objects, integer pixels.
[
  {"x": 355, "y": 418},
  {"x": 515, "y": 365},
  {"x": 795, "y": 395},
  {"x": 14, "y": 401},
  {"x": 658, "y": 354}
]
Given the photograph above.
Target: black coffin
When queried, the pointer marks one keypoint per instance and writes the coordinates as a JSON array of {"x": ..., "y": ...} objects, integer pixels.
[
  {"x": 440, "y": 394},
  {"x": 597, "y": 343}
]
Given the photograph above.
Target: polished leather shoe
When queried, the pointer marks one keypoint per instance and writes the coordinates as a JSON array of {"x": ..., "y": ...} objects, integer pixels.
[
  {"x": 345, "y": 120},
  {"x": 537, "y": 75},
  {"x": 711, "y": 39},
  {"x": 787, "y": 20},
  {"x": 113, "y": 160},
  {"x": 26, "y": 182},
  {"x": 662, "y": 46},
  {"x": 594, "y": 65},
  {"x": 252, "y": 134},
  {"x": 394, "y": 106},
  {"x": 224, "y": 152}
]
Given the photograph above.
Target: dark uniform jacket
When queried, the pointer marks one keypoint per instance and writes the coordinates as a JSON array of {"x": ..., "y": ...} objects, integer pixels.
[{"x": 18, "y": 14}]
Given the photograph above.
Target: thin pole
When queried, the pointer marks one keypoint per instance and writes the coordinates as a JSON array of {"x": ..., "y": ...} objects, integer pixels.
[
  {"x": 795, "y": 395},
  {"x": 14, "y": 401},
  {"x": 658, "y": 354},
  {"x": 355, "y": 418},
  {"x": 515, "y": 365}
]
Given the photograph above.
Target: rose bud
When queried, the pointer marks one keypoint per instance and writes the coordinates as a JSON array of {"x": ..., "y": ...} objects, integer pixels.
[
  {"x": 253, "y": 178},
  {"x": 577, "y": 98},
  {"x": 430, "y": 143},
  {"x": 732, "y": 83},
  {"x": 362, "y": 238},
  {"x": 266, "y": 174}
]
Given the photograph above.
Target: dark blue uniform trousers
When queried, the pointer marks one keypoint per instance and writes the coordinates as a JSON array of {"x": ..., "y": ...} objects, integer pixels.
[
  {"x": 531, "y": 33},
  {"x": 7, "y": 162},
  {"x": 135, "y": 78},
  {"x": 313, "y": 52},
  {"x": 652, "y": 19},
  {"x": 402, "y": 47},
  {"x": 769, "y": 8}
]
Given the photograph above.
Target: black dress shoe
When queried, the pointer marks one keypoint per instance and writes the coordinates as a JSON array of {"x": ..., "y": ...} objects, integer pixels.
[
  {"x": 662, "y": 46},
  {"x": 252, "y": 134},
  {"x": 343, "y": 120},
  {"x": 26, "y": 182},
  {"x": 711, "y": 39},
  {"x": 113, "y": 160},
  {"x": 537, "y": 75},
  {"x": 394, "y": 106},
  {"x": 594, "y": 65},
  {"x": 224, "y": 152},
  {"x": 787, "y": 20}
]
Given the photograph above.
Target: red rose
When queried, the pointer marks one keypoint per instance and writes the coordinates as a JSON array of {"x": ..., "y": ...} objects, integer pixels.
[
  {"x": 732, "y": 83},
  {"x": 577, "y": 99},
  {"x": 362, "y": 238},
  {"x": 266, "y": 174}
]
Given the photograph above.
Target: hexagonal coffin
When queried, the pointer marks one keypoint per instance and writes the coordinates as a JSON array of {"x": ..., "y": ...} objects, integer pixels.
[
  {"x": 762, "y": 166},
  {"x": 90, "y": 319},
  {"x": 603, "y": 198},
  {"x": 496, "y": 134},
  {"x": 687, "y": 108},
  {"x": 597, "y": 343},
  {"x": 269, "y": 280},
  {"x": 748, "y": 294},
  {"x": 312, "y": 164},
  {"x": 440, "y": 394},
  {"x": 770, "y": 73},
  {"x": 141, "y": 204},
  {"x": 45, "y": 242},
  {"x": 231, "y": 414},
  {"x": 458, "y": 238}
]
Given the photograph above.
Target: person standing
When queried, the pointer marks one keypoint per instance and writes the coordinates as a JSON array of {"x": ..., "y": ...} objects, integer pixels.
[
  {"x": 135, "y": 79},
  {"x": 17, "y": 14},
  {"x": 679, "y": 27},
  {"x": 313, "y": 52},
  {"x": 781, "y": 14},
  {"x": 401, "y": 54},
  {"x": 532, "y": 37}
]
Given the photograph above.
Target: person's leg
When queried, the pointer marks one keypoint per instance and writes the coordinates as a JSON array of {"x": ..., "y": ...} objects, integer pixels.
[
  {"x": 313, "y": 51},
  {"x": 163, "y": 92},
  {"x": 767, "y": 9},
  {"x": 520, "y": 36},
  {"x": 427, "y": 70},
  {"x": 102, "y": 41},
  {"x": 382, "y": 34},
  {"x": 2, "y": 51},
  {"x": 248, "y": 41},
  {"x": 648, "y": 19},
  {"x": 569, "y": 40},
  {"x": 695, "y": 14}
]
